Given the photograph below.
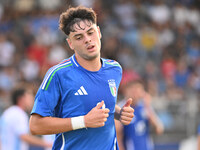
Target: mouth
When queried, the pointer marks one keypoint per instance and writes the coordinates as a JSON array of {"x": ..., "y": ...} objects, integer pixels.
[{"x": 90, "y": 47}]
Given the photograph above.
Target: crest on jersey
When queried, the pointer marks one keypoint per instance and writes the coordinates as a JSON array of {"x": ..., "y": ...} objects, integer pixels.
[{"x": 112, "y": 87}]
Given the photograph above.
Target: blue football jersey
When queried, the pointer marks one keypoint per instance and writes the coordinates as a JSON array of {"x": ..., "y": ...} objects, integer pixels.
[
  {"x": 69, "y": 90},
  {"x": 136, "y": 134}
]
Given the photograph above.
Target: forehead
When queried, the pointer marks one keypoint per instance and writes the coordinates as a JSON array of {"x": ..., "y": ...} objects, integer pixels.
[{"x": 81, "y": 27}]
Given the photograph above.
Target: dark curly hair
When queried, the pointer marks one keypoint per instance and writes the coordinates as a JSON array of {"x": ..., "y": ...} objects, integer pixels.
[{"x": 75, "y": 15}]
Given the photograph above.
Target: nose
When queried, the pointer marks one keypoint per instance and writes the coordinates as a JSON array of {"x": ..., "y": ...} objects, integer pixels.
[{"x": 87, "y": 39}]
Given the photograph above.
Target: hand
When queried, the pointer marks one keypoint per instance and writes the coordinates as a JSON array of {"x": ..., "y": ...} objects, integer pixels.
[
  {"x": 126, "y": 113},
  {"x": 97, "y": 116}
]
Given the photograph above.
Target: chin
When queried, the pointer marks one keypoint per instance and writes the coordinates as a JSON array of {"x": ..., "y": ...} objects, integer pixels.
[{"x": 92, "y": 57}]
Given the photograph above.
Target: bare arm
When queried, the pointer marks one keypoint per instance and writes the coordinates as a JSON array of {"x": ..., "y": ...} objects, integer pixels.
[
  {"x": 51, "y": 125},
  {"x": 35, "y": 140},
  {"x": 153, "y": 118},
  {"x": 117, "y": 112},
  {"x": 120, "y": 134},
  {"x": 155, "y": 121}
]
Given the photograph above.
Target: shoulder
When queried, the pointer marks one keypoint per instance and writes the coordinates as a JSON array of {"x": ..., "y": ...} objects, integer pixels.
[
  {"x": 12, "y": 112},
  {"x": 111, "y": 64},
  {"x": 64, "y": 66}
]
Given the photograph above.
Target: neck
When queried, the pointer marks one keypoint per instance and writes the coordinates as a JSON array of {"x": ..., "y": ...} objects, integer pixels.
[{"x": 90, "y": 65}]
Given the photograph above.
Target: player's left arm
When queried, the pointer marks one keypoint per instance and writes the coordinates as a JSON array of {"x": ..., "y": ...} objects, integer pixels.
[
  {"x": 124, "y": 114},
  {"x": 120, "y": 134}
]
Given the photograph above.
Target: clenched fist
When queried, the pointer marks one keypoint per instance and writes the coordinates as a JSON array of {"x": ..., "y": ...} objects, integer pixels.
[
  {"x": 126, "y": 113},
  {"x": 97, "y": 116}
]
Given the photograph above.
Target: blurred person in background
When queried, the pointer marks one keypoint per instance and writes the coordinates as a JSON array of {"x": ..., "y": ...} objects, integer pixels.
[
  {"x": 49, "y": 138},
  {"x": 14, "y": 123},
  {"x": 7, "y": 51},
  {"x": 136, "y": 136},
  {"x": 192, "y": 142}
]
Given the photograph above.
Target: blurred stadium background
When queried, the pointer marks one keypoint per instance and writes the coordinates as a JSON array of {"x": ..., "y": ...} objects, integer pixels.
[{"x": 155, "y": 40}]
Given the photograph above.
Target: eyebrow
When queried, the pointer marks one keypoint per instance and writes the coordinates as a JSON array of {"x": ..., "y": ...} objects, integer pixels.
[{"x": 92, "y": 28}]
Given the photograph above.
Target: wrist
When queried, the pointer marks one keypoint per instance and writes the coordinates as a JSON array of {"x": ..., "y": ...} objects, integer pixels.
[
  {"x": 77, "y": 122},
  {"x": 118, "y": 114}
]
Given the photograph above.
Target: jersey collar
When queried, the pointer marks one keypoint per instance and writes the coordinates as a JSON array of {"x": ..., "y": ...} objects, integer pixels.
[{"x": 77, "y": 64}]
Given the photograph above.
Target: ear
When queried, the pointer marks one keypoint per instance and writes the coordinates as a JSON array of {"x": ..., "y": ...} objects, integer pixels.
[
  {"x": 99, "y": 32},
  {"x": 69, "y": 43}
]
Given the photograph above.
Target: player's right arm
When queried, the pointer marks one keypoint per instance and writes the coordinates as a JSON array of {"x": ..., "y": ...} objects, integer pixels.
[
  {"x": 51, "y": 125},
  {"x": 48, "y": 125}
]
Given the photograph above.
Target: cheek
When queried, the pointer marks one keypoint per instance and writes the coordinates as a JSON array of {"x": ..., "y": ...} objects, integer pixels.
[
  {"x": 98, "y": 43},
  {"x": 99, "y": 39},
  {"x": 77, "y": 45},
  {"x": 30, "y": 101}
]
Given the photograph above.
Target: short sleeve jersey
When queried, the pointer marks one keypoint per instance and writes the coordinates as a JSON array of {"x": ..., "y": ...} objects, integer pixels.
[
  {"x": 136, "y": 134},
  {"x": 13, "y": 123},
  {"x": 69, "y": 90}
]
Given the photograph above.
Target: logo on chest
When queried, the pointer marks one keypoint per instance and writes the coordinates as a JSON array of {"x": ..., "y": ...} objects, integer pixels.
[
  {"x": 112, "y": 86},
  {"x": 81, "y": 91}
]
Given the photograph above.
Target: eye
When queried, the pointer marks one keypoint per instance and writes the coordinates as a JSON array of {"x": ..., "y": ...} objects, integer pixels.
[
  {"x": 78, "y": 38},
  {"x": 90, "y": 32}
]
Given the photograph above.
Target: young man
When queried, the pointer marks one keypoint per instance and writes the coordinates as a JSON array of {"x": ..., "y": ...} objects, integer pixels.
[
  {"x": 77, "y": 98},
  {"x": 135, "y": 136},
  {"x": 14, "y": 124}
]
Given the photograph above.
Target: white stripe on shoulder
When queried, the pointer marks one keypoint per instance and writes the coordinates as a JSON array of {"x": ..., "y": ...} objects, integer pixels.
[
  {"x": 56, "y": 67},
  {"x": 103, "y": 62},
  {"x": 74, "y": 60},
  {"x": 114, "y": 62}
]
